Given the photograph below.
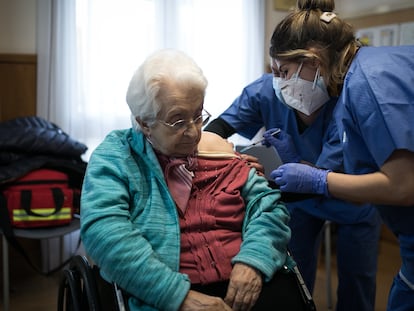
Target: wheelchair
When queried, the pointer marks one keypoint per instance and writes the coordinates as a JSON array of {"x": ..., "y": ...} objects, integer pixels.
[{"x": 82, "y": 288}]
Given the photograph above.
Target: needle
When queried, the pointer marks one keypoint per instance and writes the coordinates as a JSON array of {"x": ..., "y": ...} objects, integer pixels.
[{"x": 258, "y": 142}]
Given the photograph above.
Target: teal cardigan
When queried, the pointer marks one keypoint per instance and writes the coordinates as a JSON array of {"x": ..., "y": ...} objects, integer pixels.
[{"x": 130, "y": 226}]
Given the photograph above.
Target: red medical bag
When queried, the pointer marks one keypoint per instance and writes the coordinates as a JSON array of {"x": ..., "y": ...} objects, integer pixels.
[{"x": 41, "y": 198}]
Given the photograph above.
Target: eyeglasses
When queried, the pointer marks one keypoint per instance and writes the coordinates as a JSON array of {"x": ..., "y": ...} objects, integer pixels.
[{"x": 182, "y": 125}]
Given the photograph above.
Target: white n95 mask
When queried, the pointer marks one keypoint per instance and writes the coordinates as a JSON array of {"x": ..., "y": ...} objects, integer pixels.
[
  {"x": 302, "y": 95},
  {"x": 276, "y": 88}
]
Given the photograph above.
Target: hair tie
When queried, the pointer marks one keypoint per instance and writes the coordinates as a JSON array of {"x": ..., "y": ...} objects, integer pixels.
[{"x": 327, "y": 17}]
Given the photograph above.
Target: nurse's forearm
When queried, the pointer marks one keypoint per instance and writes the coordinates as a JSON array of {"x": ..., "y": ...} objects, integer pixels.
[
  {"x": 220, "y": 127},
  {"x": 376, "y": 188},
  {"x": 356, "y": 188}
]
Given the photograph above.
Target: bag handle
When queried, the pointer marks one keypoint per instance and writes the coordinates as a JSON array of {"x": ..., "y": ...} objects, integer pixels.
[
  {"x": 7, "y": 230},
  {"x": 26, "y": 198}
]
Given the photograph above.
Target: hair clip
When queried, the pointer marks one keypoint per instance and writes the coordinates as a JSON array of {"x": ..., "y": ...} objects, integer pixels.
[{"x": 327, "y": 16}]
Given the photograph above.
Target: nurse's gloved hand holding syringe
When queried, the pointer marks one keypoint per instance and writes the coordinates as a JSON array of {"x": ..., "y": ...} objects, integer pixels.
[
  {"x": 301, "y": 178},
  {"x": 293, "y": 176},
  {"x": 283, "y": 144}
]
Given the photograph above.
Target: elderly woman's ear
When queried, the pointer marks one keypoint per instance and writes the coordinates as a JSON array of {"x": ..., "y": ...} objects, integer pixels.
[{"x": 144, "y": 126}]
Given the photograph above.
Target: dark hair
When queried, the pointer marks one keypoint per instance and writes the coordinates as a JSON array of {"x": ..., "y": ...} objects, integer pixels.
[{"x": 313, "y": 30}]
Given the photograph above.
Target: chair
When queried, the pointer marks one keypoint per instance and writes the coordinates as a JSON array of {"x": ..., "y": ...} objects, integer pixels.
[
  {"x": 83, "y": 289},
  {"x": 327, "y": 235},
  {"x": 43, "y": 234}
]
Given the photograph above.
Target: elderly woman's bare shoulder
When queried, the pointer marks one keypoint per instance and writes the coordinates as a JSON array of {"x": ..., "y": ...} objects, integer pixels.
[{"x": 214, "y": 146}]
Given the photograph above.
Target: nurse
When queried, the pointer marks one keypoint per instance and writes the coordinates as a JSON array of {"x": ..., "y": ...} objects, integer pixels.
[
  {"x": 309, "y": 136},
  {"x": 375, "y": 119}
]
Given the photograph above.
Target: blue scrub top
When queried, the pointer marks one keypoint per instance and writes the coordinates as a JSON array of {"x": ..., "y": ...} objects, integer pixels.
[
  {"x": 375, "y": 117},
  {"x": 320, "y": 144}
]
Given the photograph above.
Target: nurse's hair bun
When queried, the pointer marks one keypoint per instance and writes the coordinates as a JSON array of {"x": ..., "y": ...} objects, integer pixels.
[{"x": 323, "y": 5}]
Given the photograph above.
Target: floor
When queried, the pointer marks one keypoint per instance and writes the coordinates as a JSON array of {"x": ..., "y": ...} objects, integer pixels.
[
  {"x": 388, "y": 266},
  {"x": 33, "y": 292}
]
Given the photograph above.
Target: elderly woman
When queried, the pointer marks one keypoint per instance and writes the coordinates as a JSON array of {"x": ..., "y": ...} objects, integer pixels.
[{"x": 174, "y": 229}]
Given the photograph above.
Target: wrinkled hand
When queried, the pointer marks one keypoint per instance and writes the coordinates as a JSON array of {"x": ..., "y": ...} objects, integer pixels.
[
  {"x": 284, "y": 145},
  {"x": 196, "y": 301},
  {"x": 253, "y": 162},
  {"x": 244, "y": 287},
  {"x": 302, "y": 178}
]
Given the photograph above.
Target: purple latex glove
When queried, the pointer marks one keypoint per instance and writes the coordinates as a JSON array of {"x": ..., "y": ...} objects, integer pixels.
[
  {"x": 301, "y": 178},
  {"x": 284, "y": 145}
]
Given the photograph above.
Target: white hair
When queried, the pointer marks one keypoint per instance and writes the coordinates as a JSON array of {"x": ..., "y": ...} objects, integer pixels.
[{"x": 163, "y": 66}]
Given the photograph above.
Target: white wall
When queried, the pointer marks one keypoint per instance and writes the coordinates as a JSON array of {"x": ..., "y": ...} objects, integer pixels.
[
  {"x": 345, "y": 8},
  {"x": 273, "y": 17},
  {"x": 18, "y": 26}
]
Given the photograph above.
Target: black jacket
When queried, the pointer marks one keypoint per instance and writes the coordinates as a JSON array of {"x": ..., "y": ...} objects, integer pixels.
[{"x": 29, "y": 143}]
